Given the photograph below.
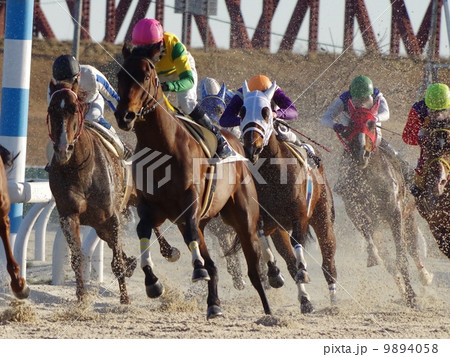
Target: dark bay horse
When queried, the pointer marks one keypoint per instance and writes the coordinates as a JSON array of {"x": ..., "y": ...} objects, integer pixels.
[
  {"x": 86, "y": 180},
  {"x": 175, "y": 187},
  {"x": 374, "y": 191},
  {"x": 434, "y": 203},
  {"x": 291, "y": 194},
  {"x": 18, "y": 284}
]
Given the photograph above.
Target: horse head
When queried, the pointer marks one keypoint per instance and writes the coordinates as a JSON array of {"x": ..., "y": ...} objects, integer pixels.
[
  {"x": 65, "y": 117},
  {"x": 212, "y": 98},
  {"x": 139, "y": 88},
  {"x": 257, "y": 120},
  {"x": 361, "y": 136}
]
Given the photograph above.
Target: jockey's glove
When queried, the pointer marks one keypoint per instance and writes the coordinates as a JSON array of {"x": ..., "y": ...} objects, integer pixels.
[
  {"x": 164, "y": 87},
  {"x": 339, "y": 128}
]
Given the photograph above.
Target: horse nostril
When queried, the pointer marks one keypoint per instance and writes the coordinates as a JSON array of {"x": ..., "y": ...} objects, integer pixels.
[{"x": 130, "y": 116}]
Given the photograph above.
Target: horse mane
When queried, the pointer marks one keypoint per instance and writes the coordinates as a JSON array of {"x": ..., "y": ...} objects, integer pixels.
[
  {"x": 147, "y": 51},
  {"x": 7, "y": 157}
]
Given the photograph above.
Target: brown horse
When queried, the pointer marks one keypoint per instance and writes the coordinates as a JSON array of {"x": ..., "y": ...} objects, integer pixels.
[
  {"x": 180, "y": 195},
  {"x": 18, "y": 284},
  {"x": 374, "y": 191},
  {"x": 86, "y": 180},
  {"x": 434, "y": 203},
  {"x": 291, "y": 195}
]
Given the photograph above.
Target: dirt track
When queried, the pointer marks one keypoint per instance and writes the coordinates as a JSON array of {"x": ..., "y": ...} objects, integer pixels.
[{"x": 369, "y": 302}]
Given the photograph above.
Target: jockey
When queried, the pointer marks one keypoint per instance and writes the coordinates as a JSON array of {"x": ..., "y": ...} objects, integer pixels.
[
  {"x": 282, "y": 108},
  {"x": 434, "y": 106},
  {"x": 94, "y": 85},
  {"x": 176, "y": 70},
  {"x": 363, "y": 94}
]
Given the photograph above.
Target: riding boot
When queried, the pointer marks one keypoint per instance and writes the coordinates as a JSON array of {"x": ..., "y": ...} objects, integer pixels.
[
  {"x": 313, "y": 159},
  {"x": 223, "y": 148},
  {"x": 406, "y": 169}
]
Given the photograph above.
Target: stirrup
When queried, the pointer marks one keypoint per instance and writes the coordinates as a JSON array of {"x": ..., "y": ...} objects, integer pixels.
[
  {"x": 415, "y": 190},
  {"x": 224, "y": 151}
]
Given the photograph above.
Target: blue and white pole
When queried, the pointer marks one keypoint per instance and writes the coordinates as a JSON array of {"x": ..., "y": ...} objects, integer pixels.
[{"x": 15, "y": 92}]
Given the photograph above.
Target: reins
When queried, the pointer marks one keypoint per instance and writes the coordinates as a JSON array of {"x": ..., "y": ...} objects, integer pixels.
[{"x": 80, "y": 116}]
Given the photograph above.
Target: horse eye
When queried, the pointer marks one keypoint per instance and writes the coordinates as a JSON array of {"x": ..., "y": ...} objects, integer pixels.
[
  {"x": 265, "y": 112},
  {"x": 242, "y": 112},
  {"x": 147, "y": 77}
]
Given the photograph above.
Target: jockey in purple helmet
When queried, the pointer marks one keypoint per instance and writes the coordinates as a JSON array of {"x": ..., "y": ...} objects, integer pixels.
[{"x": 176, "y": 70}]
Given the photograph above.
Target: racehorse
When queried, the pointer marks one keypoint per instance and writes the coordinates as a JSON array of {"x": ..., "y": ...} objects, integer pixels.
[
  {"x": 434, "y": 203},
  {"x": 291, "y": 195},
  {"x": 18, "y": 284},
  {"x": 86, "y": 180},
  {"x": 181, "y": 199},
  {"x": 374, "y": 191}
]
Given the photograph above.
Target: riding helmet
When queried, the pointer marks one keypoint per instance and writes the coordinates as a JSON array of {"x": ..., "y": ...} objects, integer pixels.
[
  {"x": 147, "y": 32},
  {"x": 259, "y": 82},
  {"x": 437, "y": 96},
  {"x": 361, "y": 87},
  {"x": 65, "y": 67}
]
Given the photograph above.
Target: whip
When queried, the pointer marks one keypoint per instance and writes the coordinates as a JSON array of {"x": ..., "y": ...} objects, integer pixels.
[{"x": 298, "y": 132}]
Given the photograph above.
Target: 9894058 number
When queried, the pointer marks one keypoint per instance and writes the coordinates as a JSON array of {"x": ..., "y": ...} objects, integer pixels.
[{"x": 410, "y": 348}]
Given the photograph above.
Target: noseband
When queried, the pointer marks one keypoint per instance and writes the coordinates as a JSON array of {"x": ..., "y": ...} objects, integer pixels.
[{"x": 80, "y": 116}]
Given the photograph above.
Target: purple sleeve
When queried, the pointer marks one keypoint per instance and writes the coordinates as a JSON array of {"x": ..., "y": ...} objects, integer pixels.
[
  {"x": 286, "y": 109},
  {"x": 230, "y": 116}
]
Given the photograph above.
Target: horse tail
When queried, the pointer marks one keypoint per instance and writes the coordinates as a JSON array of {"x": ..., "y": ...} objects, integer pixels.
[
  {"x": 7, "y": 157},
  {"x": 310, "y": 237},
  {"x": 234, "y": 247}
]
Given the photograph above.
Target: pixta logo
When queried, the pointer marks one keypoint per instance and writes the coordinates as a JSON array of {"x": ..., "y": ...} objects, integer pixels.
[{"x": 146, "y": 162}]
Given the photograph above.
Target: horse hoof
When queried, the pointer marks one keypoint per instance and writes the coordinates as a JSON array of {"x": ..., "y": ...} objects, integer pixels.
[
  {"x": 302, "y": 277},
  {"x": 425, "y": 277},
  {"x": 155, "y": 290},
  {"x": 22, "y": 294},
  {"x": 239, "y": 284},
  {"x": 200, "y": 274},
  {"x": 213, "y": 312},
  {"x": 125, "y": 300},
  {"x": 306, "y": 307},
  {"x": 131, "y": 266},
  {"x": 174, "y": 255},
  {"x": 276, "y": 281}
]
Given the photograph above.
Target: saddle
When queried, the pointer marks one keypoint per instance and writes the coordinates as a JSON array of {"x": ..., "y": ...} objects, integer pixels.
[{"x": 206, "y": 139}]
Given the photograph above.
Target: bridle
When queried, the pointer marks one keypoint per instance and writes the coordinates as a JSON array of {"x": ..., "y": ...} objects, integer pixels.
[
  {"x": 359, "y": 126},
  {"x": 80, "y": 116},
  {"x": 153, "y": 102}
]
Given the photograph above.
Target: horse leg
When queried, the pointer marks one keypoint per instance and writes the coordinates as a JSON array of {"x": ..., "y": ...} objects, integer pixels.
[
  {"x": 191, "y": 237},
  {"x": 70, "y": 226},
  {"x": 397, "y": 227},
  {"x": 322, "y": 222},
  {"x": 274, "y": 276},
  {"x": 301, "y": 278},
  {"x": 121, "y": 266},
  {"x": 171, "y": 254},
  {"x": 389, "y": 262},
  {"x": 213, "y": 300},
  {"x": 153, "y": 286},
  {"x": 364, "y": 225},
  {"x": 242, "y": 215},
  {"x": 412, "y": 243},
  {"x": 18, "y": 284}
]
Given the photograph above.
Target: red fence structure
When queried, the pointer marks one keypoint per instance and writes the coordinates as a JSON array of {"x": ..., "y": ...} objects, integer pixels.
[{"x": 355, "y": 10}]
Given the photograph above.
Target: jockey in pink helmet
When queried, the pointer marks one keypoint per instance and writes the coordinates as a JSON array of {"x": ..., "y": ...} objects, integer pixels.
[{"x": 176, "y": 70}]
